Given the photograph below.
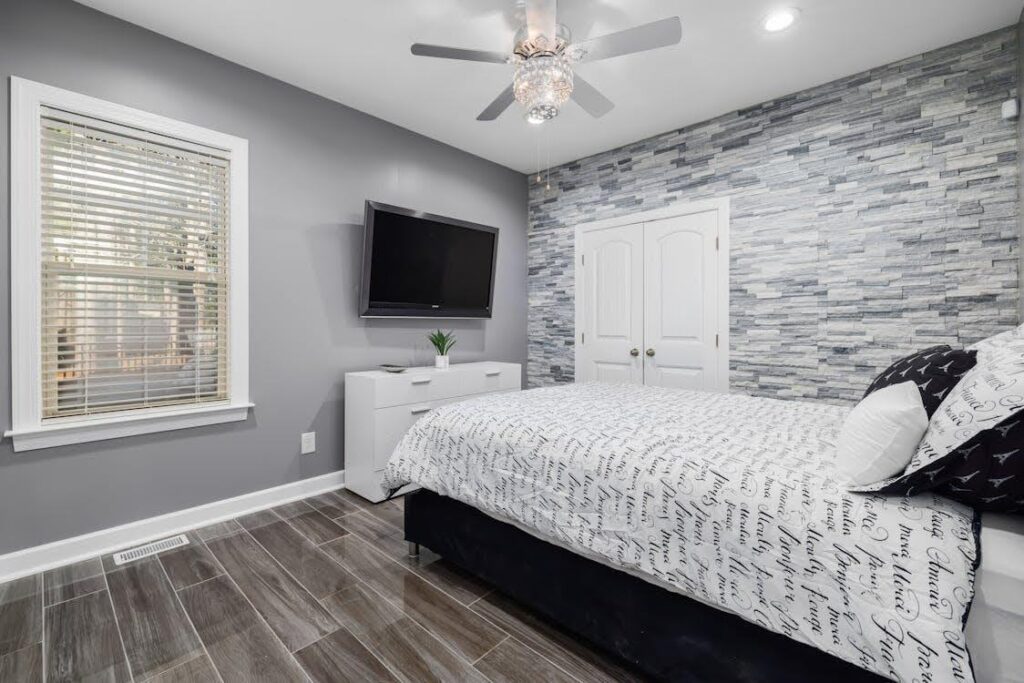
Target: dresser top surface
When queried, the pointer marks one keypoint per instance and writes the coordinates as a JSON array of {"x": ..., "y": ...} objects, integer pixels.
[{"x": 429, "y": 370}]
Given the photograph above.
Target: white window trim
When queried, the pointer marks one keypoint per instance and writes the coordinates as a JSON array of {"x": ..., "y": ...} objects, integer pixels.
[{"x": 28, "y": 430}]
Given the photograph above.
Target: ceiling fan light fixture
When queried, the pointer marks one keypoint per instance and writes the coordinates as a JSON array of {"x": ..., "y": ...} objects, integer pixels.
[
  {"x": 543, "y": 54},
  {"x": 780, "y": 19},
  {"x": 542, "y": 84},
  {"x": 541, "y": 113},
  {"x": 524, "y": 46}
]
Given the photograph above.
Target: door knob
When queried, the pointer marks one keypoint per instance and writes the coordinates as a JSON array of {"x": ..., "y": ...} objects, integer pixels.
[
  {"x": 650, "y": 352},
  {"x": 634, "y": 352}
]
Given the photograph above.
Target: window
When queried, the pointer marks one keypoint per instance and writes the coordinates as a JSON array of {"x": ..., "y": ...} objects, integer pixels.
[{"x": 129, "y": 271}]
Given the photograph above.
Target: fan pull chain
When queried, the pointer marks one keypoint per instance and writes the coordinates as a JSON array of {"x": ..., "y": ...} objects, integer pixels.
[
  {"x": 547, "y": 165},
  {"x": 538, "y": 159}
]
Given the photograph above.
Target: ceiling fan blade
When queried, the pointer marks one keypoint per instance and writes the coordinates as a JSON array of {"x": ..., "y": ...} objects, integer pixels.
[
  {"x": 445, "y": 52},
  {"x": 540, "y": 19},
  {"x": 500, "y": 104},
  {"x": 588, "y": 97},
  {"x": 656, "y": 34}
]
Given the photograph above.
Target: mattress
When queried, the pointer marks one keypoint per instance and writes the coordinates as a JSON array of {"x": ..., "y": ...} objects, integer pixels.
[{"x": 728, "y": 499}]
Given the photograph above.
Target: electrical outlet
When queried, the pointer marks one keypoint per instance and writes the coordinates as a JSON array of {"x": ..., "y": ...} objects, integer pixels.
[{"x": 308, "y": 442}]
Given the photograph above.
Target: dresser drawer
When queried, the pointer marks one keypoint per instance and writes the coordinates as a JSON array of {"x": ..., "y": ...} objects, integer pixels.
[
  {"x": 391, "y": 424},
  {"x": 419, "y": 387},
  {"x": 397, "y": 390},
  {"x": 485, "y": 380}
]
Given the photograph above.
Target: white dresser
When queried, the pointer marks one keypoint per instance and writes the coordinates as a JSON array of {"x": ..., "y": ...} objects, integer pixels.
[{"x": 381, "y": 406}]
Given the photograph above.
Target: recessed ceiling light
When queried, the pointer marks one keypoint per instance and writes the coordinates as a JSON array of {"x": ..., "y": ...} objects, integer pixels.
[{"x": 780, "y": 20}]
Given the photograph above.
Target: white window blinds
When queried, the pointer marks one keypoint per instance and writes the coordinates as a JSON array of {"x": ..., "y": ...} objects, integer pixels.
[{"x": 134, "y": 283}]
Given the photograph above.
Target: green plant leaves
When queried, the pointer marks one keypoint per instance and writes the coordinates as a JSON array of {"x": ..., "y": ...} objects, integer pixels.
[{"x": 442, "y": 341}]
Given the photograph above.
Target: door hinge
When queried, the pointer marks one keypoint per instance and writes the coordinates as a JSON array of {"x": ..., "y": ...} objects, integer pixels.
[
  {"x": 716, "y": 242},
  {"x": 716, "y": 341},
  {"x": 583, "y": 337},
  {"x": 583, "y": 260}
]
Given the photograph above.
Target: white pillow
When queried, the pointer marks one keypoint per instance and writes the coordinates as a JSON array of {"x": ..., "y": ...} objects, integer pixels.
[
  {"x": 880, "y": 435},
  {"x": 986, "y": 347}
]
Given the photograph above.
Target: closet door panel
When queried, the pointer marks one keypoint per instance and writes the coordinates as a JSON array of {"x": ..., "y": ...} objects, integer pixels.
[
  {"x": 610, "y": 305},
  {"x": 680, "y": 301}
]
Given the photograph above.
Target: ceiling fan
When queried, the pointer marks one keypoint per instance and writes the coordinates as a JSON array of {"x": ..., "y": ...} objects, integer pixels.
[{"x": 543, "y": 55}]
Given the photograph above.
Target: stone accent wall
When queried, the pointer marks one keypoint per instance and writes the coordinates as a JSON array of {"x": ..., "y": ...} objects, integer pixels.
[{"x": 871, "y": 216}]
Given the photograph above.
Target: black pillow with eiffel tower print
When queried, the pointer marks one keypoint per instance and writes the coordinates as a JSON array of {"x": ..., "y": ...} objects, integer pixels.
[
  {"x": 988, "y": 471},
  {"x": 973, "y": 450},
  {"x": 935, "y": 371}
]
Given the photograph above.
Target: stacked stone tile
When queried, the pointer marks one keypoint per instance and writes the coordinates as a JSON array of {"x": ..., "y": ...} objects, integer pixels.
[{"x": 871, "y": 216}]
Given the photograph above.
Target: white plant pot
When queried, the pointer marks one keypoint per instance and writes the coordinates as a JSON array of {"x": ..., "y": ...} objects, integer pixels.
[{"x": 441, "y": 362}]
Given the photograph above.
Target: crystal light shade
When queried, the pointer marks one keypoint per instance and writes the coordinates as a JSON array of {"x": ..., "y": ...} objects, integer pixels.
[{"x": 542, "y": 84}]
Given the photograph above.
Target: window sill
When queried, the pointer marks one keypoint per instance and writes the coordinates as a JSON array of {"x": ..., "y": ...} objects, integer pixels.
[{"x": 114, "y": 427}]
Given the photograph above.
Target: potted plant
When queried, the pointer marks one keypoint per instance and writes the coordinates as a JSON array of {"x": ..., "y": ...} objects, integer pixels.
[{"x": 443, "y": 343}]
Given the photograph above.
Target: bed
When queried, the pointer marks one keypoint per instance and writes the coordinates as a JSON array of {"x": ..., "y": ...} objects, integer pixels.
[{"x": 695, "y": 534}]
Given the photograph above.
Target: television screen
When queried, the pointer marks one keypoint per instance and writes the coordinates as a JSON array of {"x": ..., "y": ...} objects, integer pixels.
[{"x": 420, "y": 265}]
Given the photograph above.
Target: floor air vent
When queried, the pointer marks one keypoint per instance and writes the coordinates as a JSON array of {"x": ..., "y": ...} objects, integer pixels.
[{"x": 150, "y": 549}]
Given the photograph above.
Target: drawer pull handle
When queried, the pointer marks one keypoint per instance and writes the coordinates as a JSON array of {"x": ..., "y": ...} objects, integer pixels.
[
  {"x": 425, "y": 380},
  {"x": 492, "y": 373},
  {"x": 421, "y": 409}
]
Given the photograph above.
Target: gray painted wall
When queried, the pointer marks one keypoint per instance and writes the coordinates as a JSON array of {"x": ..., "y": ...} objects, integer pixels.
[
  {"x": 313, "y": 162},
  {"x": 871, "y": 216}
]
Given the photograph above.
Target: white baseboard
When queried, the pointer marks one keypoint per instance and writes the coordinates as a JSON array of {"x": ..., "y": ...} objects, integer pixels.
[{"x": 42, "y": 557}]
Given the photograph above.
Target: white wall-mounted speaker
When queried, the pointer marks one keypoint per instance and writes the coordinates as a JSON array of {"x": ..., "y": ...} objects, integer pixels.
[{"x": 1011, "y": 109}]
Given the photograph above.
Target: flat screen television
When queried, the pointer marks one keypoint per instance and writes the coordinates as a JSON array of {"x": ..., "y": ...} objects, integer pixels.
[{"x": 418, "y": 265}]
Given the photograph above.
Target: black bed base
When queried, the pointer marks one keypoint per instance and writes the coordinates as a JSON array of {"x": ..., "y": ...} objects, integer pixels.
[{"x": 660, "y": 633}]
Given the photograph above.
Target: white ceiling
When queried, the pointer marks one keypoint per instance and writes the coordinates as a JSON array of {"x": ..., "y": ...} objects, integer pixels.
[{"x": 357, "y": 53}]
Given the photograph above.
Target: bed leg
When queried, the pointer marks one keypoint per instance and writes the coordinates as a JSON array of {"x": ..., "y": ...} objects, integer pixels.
[{"x": 414, "y": 549}]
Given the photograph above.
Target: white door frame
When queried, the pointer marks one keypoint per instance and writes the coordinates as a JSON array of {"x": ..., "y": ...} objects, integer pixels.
[{"x": 682, "y": 209}]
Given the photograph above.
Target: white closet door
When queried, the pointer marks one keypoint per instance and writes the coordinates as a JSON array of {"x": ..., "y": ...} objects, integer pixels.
[
  {"x": 681, "y": 302},
  {"x": 610, "y": 305}
]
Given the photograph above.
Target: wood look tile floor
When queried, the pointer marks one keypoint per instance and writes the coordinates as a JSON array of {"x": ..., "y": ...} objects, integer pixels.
[{"x": 316, "y": 590}]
